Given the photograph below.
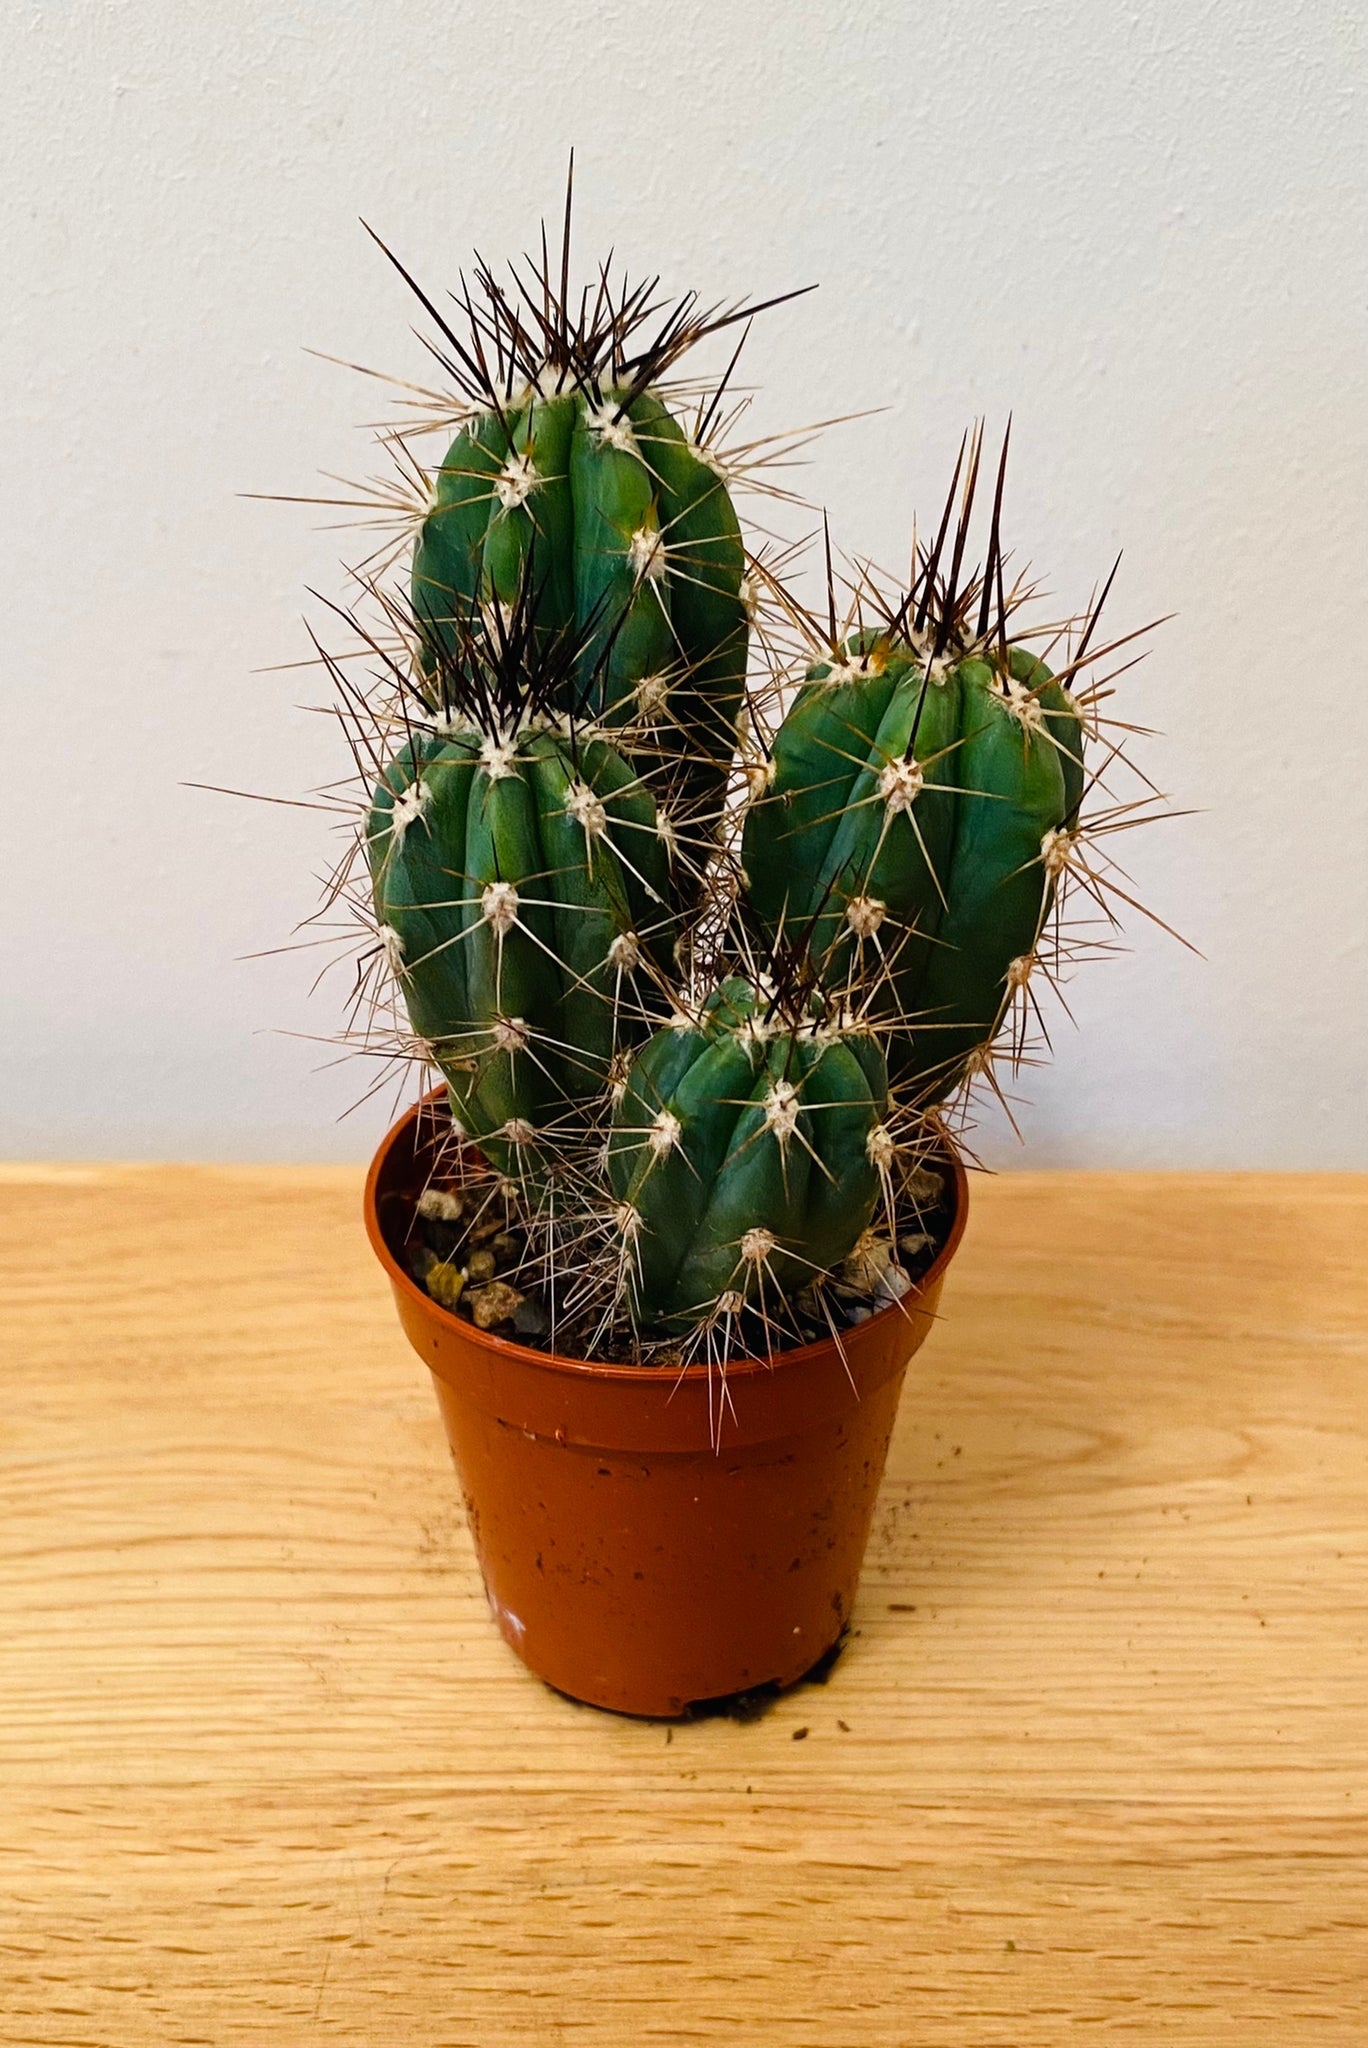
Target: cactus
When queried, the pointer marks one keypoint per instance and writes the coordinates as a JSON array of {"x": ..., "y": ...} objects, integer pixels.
[
  {"x": 570, "y": 467},
  {"x": 633, "y": 537},
  {"x": 523, "y": 891},
  {"x": 745, "y": 1151},
  {"x": 700, "y": 1060},
  {"x": 918, "y": 809}
]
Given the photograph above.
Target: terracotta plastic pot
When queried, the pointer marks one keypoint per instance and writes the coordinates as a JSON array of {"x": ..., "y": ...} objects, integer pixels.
[{"x": 636, "y": 1554}]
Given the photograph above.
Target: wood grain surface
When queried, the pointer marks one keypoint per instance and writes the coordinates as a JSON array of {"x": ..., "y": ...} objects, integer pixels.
[{"x": 1095, "y": 1764}]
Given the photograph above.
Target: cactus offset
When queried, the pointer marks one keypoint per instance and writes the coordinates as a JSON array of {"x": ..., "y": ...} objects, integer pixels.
[
  {"x": 913, "y": 812},
  {"x": 745, "y": 1152},
  {"x": 523, "y": 891},
  {"x": 571, "y": 461}
]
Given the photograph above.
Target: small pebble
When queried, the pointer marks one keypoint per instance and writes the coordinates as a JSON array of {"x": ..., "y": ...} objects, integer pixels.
[
  {"x": 479, "y": 1267},
  {"x": 421, "y": 1260},
  {"x": 530, "y": 1319},
  {"x": 445, "y": 1282},
  {"x": 496, "y": 1302},
  {"x": 923, "y": 1185},
  {"x": 505, "y": 1247},
  {"x": 868, "y": 1263},
  {"x": 913, "y": 1242},
  {"x": 440, "y": 1205}
]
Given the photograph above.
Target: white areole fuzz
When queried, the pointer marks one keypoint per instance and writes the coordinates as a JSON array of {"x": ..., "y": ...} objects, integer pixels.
[
  {"x": 715, "y": 460},
  {"x": 1025, "y": 706},
  {"x": 586, "y": 808},
  {"x": 900, "y": 784},
  {"x": 760, "y": 773},
  {"x": 407, "y": 808},
  {"x": 516, "y": 481},
  {"x": 664, "y": 1133},
  {"x": 864, "y": 915},
  {"x": 855, "y": 668},
  {"x": 613, "y": 431},
  {"x": 499, "y": 906},
  {"x": 652, "y": 695},
  {"x": 498, "y": 758},
  {"x": 880, "y": 1148},
  {"x": 646, "y": 553},
  {"x": 1057, "y": 849},
  {"x": 511, "y": 1034},
  {"x": 781, "y": 1111}
]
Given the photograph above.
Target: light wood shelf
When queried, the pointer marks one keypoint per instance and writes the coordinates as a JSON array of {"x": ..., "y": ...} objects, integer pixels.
[{"x": 1094, "y": 1766}]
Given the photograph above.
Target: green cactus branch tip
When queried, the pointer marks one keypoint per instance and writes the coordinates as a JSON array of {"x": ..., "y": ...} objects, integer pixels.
[{"x": 709, "y": 966}]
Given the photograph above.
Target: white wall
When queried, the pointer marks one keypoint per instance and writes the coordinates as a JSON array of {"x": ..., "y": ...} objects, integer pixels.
[{"x": 1143, "y": 228}]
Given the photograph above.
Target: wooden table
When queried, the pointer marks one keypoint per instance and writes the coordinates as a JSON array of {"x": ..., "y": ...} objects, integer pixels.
[{"x": 1094, "y": 1766}]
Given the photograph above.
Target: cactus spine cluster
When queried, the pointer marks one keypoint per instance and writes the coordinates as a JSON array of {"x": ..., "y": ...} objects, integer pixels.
[{"x": 707, "y": 965}]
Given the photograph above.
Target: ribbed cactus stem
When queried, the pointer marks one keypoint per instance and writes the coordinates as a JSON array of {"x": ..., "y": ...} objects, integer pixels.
[
  {"x": 745, "y": 1152},
  {"x": 521, "y": 889},
  {"x": 917, "y": 816},
  {"x": 631, "y": 541}
]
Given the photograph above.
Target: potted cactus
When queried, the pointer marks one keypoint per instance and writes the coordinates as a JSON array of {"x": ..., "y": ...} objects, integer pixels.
[{"x": 707, "y": 914}]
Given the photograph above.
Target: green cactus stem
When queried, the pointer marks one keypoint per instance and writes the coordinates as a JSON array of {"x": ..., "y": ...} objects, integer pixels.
[
  {"x": 745, "y": 1154},
  {"x": 917, "y": 810},
  {"x": 634, "y": 544},
  {"x": 571, "y": 457},
  {"x": 522, "y": 891}
]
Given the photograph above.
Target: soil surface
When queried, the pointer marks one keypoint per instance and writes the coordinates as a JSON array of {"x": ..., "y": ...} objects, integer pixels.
[{"x": 459, "y": 1230}]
